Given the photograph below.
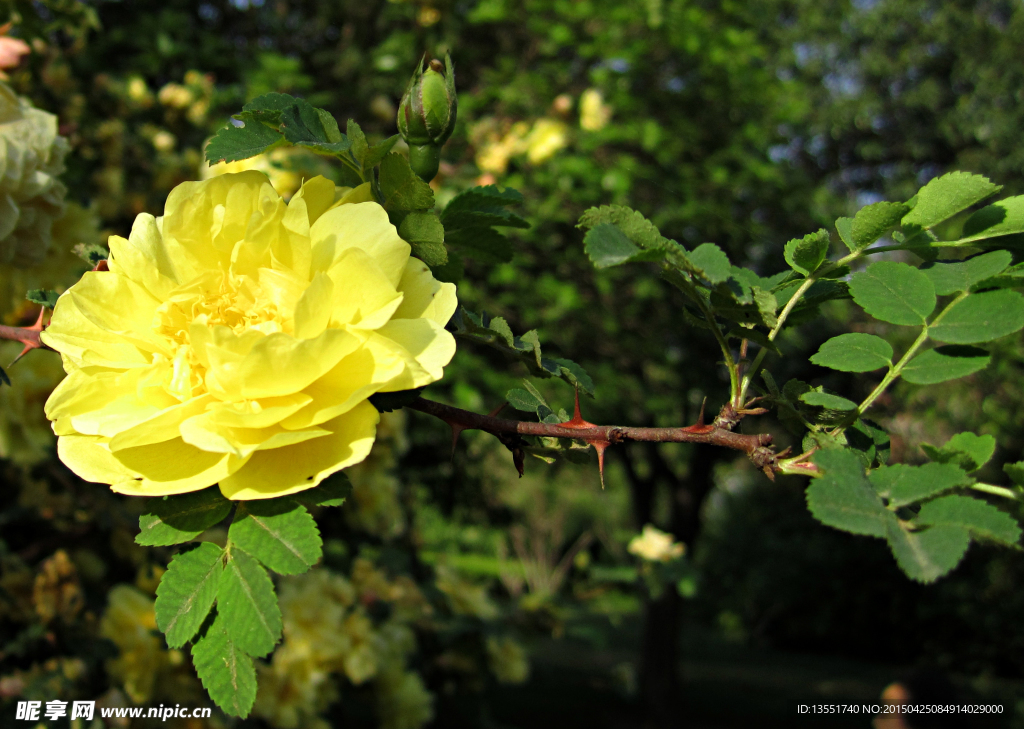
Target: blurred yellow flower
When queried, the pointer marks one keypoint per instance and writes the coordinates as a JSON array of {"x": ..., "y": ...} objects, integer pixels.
[
  {"x": 236, "y": 340},
  {"x": 130, "y": 622},
  {"x": 31, "y": 196},
  {"x": 546, "y": 138},
  {"x": 655, "y": 545},
  {"x": 594, "y": 113}
]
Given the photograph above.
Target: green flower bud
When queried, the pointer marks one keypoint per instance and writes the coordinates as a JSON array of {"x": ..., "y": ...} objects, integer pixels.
[{"x": 426, "y": 116}]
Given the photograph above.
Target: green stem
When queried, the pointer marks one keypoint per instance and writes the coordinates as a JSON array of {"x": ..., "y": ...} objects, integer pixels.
[
  {"x": 997, "y": 490},
  {"x": 755, "y": 367},
  {"x": 894, "y": 372},
  {"x": 734, "y": 374}
]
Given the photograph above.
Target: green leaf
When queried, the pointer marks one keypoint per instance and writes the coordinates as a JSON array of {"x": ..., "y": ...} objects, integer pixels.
[
  {"x": 981, "y": 318},
  {"x": 608, "y": 246},
  {"x": 873, "y": 221},
  {"x": 424, "y": 232},
  {"x": 842, "y": 497},
  {"x": 483, "y": 207},
  {"x": 524, "y": 401},
  {"x": 187, "y": 591},
  {"x": 828, "y": 401},
  {"x": 315, "y": 129},
  {"x": 43, "y": 297},
  {"x": 944, "y": 363},
  {"x": 385, "y": 402},
  {"x": 571, "y": 372},
  {"x": 401, "y": 187},
  {"x": 279, "y": 533},
  {"x": 712, "y": 262},
  {"x": 234, "y": 143},
  {"x": 894, "y": 292},
  {"x": 640, "y": 231},
  {"x": 1005, "y": 217},
  {"x": 227, "y": 673},
  {"x": 844, "y": 226},
  {"x": 176, "y": 519},
  {"x": 854, "y": 353},
  {"x": 981, "y": 518},
  {"x": 804, "y": 255},
  {"x": 927, "y": 555},
  {"x": 1015, "y": 471},
  {"x": 866, "y": 437},
  {"x": 247, "y": 604},
  {"x": 950, "y": 278},
  {"x": 966, "y": 450},
  {"x": 267, "y": 108},
  {"x": 91, "y": 253},
  {"x": 483, "y": 244},
  {"x": 332, "y": 491},
  {"x": 902, "y": 484},
  {"x": 945, "y": 196}
]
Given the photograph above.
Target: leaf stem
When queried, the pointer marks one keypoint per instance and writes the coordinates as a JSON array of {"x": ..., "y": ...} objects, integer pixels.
[
  {"x": 896, "y": 370},
  {"x": 997, "y": 490}
]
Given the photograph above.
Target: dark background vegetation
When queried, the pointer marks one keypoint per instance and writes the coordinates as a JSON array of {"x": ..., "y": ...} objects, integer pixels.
[{"x": 741, "y": 123}]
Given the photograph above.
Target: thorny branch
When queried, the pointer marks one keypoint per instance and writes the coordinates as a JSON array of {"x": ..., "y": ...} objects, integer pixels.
[{"x": 756, "y": 446}]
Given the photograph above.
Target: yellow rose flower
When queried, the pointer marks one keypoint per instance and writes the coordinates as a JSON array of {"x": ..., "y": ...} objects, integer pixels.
[{"x": 236, "y": 340}]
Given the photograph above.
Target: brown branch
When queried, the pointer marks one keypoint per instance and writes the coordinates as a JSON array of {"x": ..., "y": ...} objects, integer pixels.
[
  {"x": 749, "y": 444},
  {"x": 20, "y": 334}
]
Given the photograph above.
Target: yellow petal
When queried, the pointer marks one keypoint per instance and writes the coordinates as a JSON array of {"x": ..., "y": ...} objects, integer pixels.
[
  {"x": 76, "y": 337},
  {"x": 257, "y": 413},
  {"x": 425, "y": 296},
  {"x": 354, "y": 379},
  {"x": 318, "y": 194},
  {"x": 131, "y": 261},
  {"x": 358, "y": 194},
  {"x": 298, "y": 467},
  {"x": 313, "y": 312},
  {"x": 425, "y": 340},
  {"x": 120, "y": 306},
  {"x": 88, "y": 458},
  {"x": 173, "y": 467},
  {"x": 364, "y": 226},
  {"x": 163, "y": 426},
  {"x": 205, "y": 433},
  {"x": 363, "y": 295},
  {"x": 279, "y": 364}
]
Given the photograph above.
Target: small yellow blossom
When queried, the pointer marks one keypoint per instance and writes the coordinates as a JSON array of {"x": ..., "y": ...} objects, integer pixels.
[
  {"x": 655, "y": 545},
  {"x": 236, "y": 341},
  {"x": 547, "y": 137},
  {"x": 287, "y": 168},
  {"x": 130, "y": 622},
  {"x": 594, "y": 113}
]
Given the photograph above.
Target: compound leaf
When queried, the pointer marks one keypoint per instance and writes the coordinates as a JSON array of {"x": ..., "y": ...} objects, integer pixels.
[
  {"x": 854, "y": 352},
  {"x": 424, "y": 232},
  {"x": 1005, "y": 217},
  {"x": 944, "y": 363},
  {"x": 279, "y": 533},
  {"x": 227, "y": 673},
  {"x": 182, "y": 518},
  {"x": 945, "y": 196},
  {"x": 981, "y": 318},
  {"x": 187, "y": 591},
  {"x": 234, "y": 143},
  {"x": 902, "y": 484},
  {"x": 873, "y": 221},
  {"x": 248, "y": 605},
  {"x": 401, "y": 187},
  {"x": 980, "y": 517},
  {"x": 843, "y": 498},
  {"x": 950, "y": 278},
  {"x": 966, "y": 450},
  {"x": 927, "y": 555},
  {"x": 894, "y": 292}
]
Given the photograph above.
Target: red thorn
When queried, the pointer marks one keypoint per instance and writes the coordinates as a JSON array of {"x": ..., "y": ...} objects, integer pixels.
[
  {"x": 29, "y": 343},
  {"x": 101, "y": 266},
  {"x": 456, "y": 432},
  {"x": 577, "y": 419},
  {"x": 700, "y": 418},
  {"x": 600, "y": 446},
  {"x": 519, "y": 459}
]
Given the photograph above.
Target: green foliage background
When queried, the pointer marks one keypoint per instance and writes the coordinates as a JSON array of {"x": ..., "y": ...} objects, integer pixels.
[{"x": 745, "y": 124}]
